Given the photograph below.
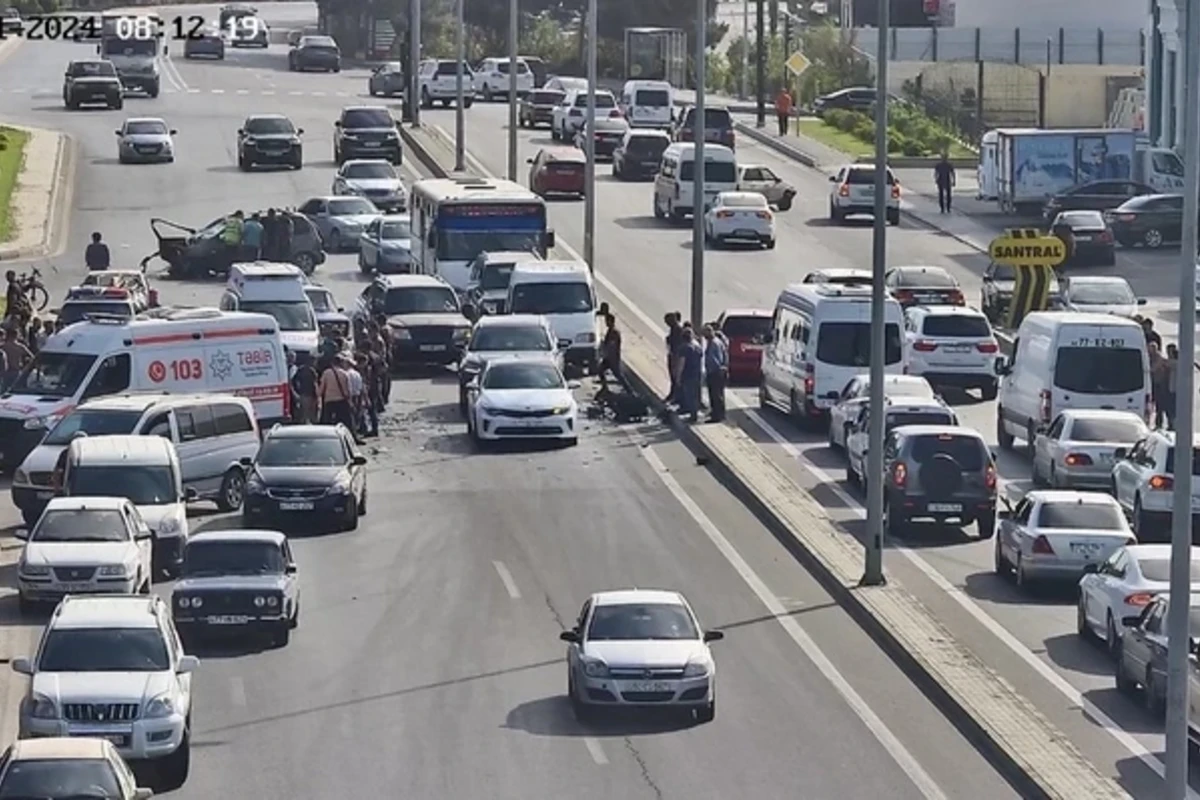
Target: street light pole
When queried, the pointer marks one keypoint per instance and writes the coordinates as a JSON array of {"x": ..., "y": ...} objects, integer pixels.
[
  {"x": 745, "y": 49},
  {"x": 1178, "y": 612},
  {"x": 873, "y": 569},
  {"x": 589, "y": 130},
  {"x": 460, "y": 124},
  {"x": 760, "y": 68},
  {"x": 414, "y": 64},
  {"x": 513, "y": 35},
  {"x": 699, "y": 128}
]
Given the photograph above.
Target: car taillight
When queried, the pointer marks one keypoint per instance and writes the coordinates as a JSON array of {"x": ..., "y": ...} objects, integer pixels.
[
  {"x": 615, "y": 114},
  {"x": 1139, "y": 599},
  {"x": 1045, "y": 406},
  {"x": 1162, "y": 483},
  {"x": 763, "y": 214},
  {"x": 810, "y": 382},
  {"x": 895, "y": 191},
  {"x": 724, "y": 214},
  {"x": 1078, "y": 460},
  {"x": 844, "y": 190},
  {"x": 987, "y": 347},
  {"x": 956, "y": 298},
  {"x": 899, "y": 475},
  {"x": 1106, "y": 236},
  {"x": 1041, "y": 546},
  {"x": 903, "y": 295},
  {"x": 989, "y": 477},
  {"x": 925, "y": 347}
]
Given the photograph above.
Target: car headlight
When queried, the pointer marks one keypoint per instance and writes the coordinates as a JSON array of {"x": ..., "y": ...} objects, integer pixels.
[
  {"x": 183, "y": 602},
  {"x": 272, "y": 602},
  {"x": 20, "y": 476},
  {"x": 341, "y": 485},
  {"x": 115, "y": 571},
  {"x": 42, "y": 707},
  {"x": 595, "y": 669},
  {"x": 39, "y": 423},
  {"x": 250, "y": 140},
  {"x": 169, "y": 525},
  {"x": 697, "y": 669},
  {"x": 260, "y": 601},
  {"x": 159, "y": 707},
  {"x": 254, "y": 485},
  {"x": 34, "y": 570},
  {"x": 462, "y": 334},
  {"x": 585, "y": 338},
  {"x": 195, "y": 602},
  {"x": 560, "y": 410},
  {"x": 401, "y": 333}
]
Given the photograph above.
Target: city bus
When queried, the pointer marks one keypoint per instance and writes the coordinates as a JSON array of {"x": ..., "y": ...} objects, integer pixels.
[{"x": 455, "y": 219}]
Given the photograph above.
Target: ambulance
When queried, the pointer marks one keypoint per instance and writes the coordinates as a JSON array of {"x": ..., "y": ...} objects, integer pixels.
[{"x": 193, "y": 350}]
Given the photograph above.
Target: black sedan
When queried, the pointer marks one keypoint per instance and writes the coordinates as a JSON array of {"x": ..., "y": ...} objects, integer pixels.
[
  {"x": 302, "y": 471},
  {"x": 315, "y": 52},
  {"x": 537, "y": 107},
  {"x": 236, "y": 582},
  {"x": 1142, "y": 656},
  {"x": 1093, "y": 196},
  {"x": 1087, "y": 237},
  {"x": 1151, "y": 220},
  {"x": 923, "y": 286},
  {"x": 638, "y": 155},
  {"x": 208, "y": 44}
]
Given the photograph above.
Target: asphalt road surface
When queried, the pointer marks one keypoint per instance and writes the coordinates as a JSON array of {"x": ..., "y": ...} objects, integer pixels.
[{"x": 428, "y": 662}]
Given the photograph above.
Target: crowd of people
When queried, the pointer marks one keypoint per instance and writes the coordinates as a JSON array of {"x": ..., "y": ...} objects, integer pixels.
[
  {"x": 267, "y": 236},
  {"x": 696, "y": 361}
]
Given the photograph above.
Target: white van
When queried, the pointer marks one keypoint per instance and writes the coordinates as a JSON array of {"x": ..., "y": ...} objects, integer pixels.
[
  {"x": 179, "y": 351},
  {"x": 143, "y": 469},
  {"x": 676, "y": 177},
  {"x": 211, "y": 434},
  {"x": 1068, "y": 359},
  {"x": 647, "y": 104},
  {"x": 279, "y": 290},
  {"x": 563, "y": 292},
  {"x": 820, "y": 339}
]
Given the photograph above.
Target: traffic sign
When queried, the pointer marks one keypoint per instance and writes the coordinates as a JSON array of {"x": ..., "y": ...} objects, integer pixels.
[
  {"x": 796, "y": 64},
  {"x": 1033, "y": 257}
]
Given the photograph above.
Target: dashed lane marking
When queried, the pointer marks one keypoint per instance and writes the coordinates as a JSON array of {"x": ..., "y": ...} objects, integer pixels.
[
  {"x": 595, "y": 750},
  {"x": 506, "y": 578},
  {"x": 237, "y": 691}
]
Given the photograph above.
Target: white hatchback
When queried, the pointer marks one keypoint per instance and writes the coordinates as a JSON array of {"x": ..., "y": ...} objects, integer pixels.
[{"x": 740, "y": 216}]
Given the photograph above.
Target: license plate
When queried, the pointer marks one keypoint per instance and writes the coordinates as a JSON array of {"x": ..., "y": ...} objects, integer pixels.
[
  {"x": 1086, "y": 549},
  {"x": 75, "y": 587},
  {"x": 118, "y": 739},
  {"x": 295, "y": 506},
  {"x": 1082, "y": 238},
  {"x": 945, "y": 508},
  {"x": 432, "y": 348},
  {"x": 647, "y": 686},
  {"x": 228, "y": 620},
  {"x": 958, "y": 348},
  {"x": 371, "y": 144},
  {"x": 744, "y": 232}
]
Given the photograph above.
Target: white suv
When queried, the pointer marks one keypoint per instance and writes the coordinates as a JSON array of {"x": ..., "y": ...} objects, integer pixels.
[
  {"x": 492, "y": 78},
  {"x": 570, "y": 115},
  {"x": 852, "y": 191},
  {"x": 1143, "y": 483},
  {"x": 113, "y": 668},
  {"x": 952, "y": 346},
  {"x": 438, "y": 83}
]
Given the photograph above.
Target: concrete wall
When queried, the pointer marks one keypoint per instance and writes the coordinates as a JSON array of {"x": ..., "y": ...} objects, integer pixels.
[{"x": 1026, "y": 45}]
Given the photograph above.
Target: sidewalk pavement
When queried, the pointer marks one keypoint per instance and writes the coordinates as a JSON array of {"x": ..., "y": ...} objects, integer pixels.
[{"x": 44, "y": 187}]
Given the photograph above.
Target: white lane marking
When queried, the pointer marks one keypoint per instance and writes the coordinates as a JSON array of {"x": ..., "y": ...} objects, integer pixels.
[
  {"x": 193, "y": 91},
  {"x": 173, "y": 69},
  {"x": 595, "y": 750},
  {"x": 267, "y": 92},
  {"x": 506, "y": 578},
  {"x": 237, "y": 691},
  {"x": 243, "y": 91},
  {"x": 1060, "y": 684},
  {"x": 318, "y": 94},
  {"x": 903, "y": 758},
  {"x": 216, "y": 91},
  {"x": 295, "y": 94}
]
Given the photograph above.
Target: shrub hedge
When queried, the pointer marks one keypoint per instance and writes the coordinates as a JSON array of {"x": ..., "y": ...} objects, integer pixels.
[{"x": 909, "y": 132}]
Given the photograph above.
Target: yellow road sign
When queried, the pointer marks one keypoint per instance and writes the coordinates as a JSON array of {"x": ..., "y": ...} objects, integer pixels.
[
  {"x": 796, "y": 64},
  {"x": 1027, "y": 247}
]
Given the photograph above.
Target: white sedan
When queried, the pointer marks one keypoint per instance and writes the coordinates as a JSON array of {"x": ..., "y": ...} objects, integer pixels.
[
  {"x": 1079, "y": 448},
  {"x": 1101, "y": 294},
  {"x": 1123, "y": 586},
  {"x": 522, "y": 398},
  {"x": 740, "y": 216},
  {"x": 373, "y": 178},
  {"x": 857, "y": 393},
  {"x": 145, "y": 139}
]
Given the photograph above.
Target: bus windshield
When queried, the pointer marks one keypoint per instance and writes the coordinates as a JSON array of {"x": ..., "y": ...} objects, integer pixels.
[{"x": 467, "y": 229}]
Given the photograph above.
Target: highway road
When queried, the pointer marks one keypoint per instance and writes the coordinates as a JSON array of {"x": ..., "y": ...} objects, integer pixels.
[
  {"x": 647, "y": 264},
  {"x": 428, "y": 662}
]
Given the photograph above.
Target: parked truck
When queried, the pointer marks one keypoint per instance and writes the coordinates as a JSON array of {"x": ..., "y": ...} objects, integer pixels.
[{"x": 1020, "y": 168}]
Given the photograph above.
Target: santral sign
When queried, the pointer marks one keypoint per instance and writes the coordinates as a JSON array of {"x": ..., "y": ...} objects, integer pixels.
[{"x": 1027, "y": 247}]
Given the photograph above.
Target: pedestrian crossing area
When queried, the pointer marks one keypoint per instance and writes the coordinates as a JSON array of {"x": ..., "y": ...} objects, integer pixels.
[{"x": 57, "y": 92}]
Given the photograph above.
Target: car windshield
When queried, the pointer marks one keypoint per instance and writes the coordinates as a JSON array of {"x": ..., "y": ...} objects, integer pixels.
[
  {"x": 1159, "y": 569},
  {"x": 321, "y": 299},
  {"x": 395, "y": 229},
  {"x": 145, "y": 127},
  {"x": 1101, "y": 294},
  {"x": 464, "y": 245},
  {"x": 746, "y": 327},
  {"x": 60, "y": 778},
  {"x": 635, "y": 621},
  {"x": 93, "y": 422},
  {"x": 232, "y": 558},
  {"x": 511, "y": 338},
  {"x": 495, "y": 276},
  {"x": 76, "y": 310},
  {"x": 1081, "y": 220},
  {"x": 104, "y": 650},
  {"x": 141, "y": 485},
  {"x": 293, "y": 451},
  {"x": 54, "y": 374},
  {"x": 523, "y": 376},
  {"x": 714, "y": 171},
  {"x": 292, "y": 315},
  {"x": 90, "y": 69},
  {"x": 369, "y": 171},
  {"x": 961, "y": 325},
  {"x": 420, "y": 300},
  {"x": 450, "y": 68},
  {"x": 351, "y": 207},
  {"x": 502, "y": 67},
  {"x": 80, "y": 525},
  {"x": 866, "y": 177},
  {"x": 367, "y": 118},
  {"x": 1170, "y": 465},
  {"x": 130, "y": 46},
  {"x": 713, "y": 118},
  {"x": 848, "y": 344},
  {"x": 647, "y": 146},
  {"x": 1095, "y": 370},
  {"x": 1081, "y": 516},
  {"x": 967, "y": 451},
  {"x": 603, "y": 100},
  {"x": 266, "y": 125},
  {"x": 323, "y": 42},
  {"x": 1107, "y": 430},
  {"x": 570, "y": 297}
]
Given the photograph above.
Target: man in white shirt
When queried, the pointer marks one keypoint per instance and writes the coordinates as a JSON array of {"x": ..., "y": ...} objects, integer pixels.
[{"x": 357, "y": 388}]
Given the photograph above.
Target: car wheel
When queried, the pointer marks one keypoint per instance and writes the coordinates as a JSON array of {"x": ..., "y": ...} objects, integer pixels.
[
  {"x": 1000, "y": 564},
  {"x": 281, "y": 636},
  {"x": 1152, "y": 238},
  {"x": 243, "y": 163},
  {"x": 893, "y": 216},
  {"x": 298, "y": 160},
  {"x": 770, "y": 244},
  {"x": 1124, "y": 684},
  {"x": 335, "y": 241},
  {"x": 583, "y": 712},
  {"x": 487, "y": 93},
  {"x": 1112, "y": 638},
  {"x": 350, "y": 523},
  {"x": 462, "y": 401},
  {"x": 362, "y": 504},
  {"x": 990, "y": 391},
  {"x": 233, "y": 490},
  {"x": 118, "y": 105},
  {"x": 1154, "y": 700},
  {"x": 1082, "y": 628},
  {"x": 985, "y": 524},
  {"x": 893, "y": 523},
  {"x": 467, "y": 101},
  {"x": 371, "y": 90},
  {"x": 25, "y": 605},
  {"x": 174, "y": 769},
  {"x": 1022, "y": 576},
  {"x": 1003, "y": 437}
]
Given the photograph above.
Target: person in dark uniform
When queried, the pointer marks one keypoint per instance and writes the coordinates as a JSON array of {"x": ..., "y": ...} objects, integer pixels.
[
  {"x": 270, "y": 236},
  {"x": 610, "y": 356},
  {"x": 97, "y": 256},
  {"x": 944, "y": 177}
]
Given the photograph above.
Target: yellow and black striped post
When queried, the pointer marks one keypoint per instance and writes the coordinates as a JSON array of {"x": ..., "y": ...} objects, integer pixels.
[{"x": 1033, "y": 255}]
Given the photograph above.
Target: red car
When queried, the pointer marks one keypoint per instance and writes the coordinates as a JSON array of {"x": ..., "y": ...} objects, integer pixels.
[
  {"x": 558, "y": 171},
  {"x": 746, "y": 330}
]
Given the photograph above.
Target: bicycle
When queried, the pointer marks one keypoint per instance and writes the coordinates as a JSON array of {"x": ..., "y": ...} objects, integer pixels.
[{"x": 34, "y": 289}]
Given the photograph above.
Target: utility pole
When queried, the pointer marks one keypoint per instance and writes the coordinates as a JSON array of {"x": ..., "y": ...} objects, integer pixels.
[
  {"x": 745, "y": 49},
  {"x": 873, "y": 570},
  {"x": 589, "y": 130},
  {"x": 1178, "y": 612},
  {"x": 413, "y": 101},
  {"x": 460, "y": 124},
  {"x": 760, "y": 76},
  {"x": 700, "y": 129},
  {"x": 513, "y": 35}
]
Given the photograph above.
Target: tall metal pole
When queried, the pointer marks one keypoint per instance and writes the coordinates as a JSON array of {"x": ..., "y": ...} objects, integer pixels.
[
  {"x": 760, "y": 67},
  {"x": 589, "y": 131},
  {"x": 873, "y": 570},
  {"x": 460, "y": 124},
  {"x": 1178, "y": 628},
  {"x": 700, "y": 129},
  {"x": 414, "y": 64},
  {"x": 745, "y": 49},
  {"x": 513, "y": 35}
]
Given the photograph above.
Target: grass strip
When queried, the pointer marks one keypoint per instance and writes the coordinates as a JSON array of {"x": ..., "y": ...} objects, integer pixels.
[
  {"x": 12, "y": 156},
  {"x": 852, "y": 146}
]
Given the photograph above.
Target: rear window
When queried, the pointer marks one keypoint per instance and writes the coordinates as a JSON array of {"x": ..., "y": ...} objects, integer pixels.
[
  {"x": 367, "y": 118},
  {"x": 658, "y": 98},
  {"x": 1107, "y": 430},
  {"x": 860, "y": 177},
  {"x": 564, "y": 167},
  {"x": 1159, "y": 569},
  {"x": 1170, "y": 468},
  {"x": 713, "y": 118},
  {"x": 714, "y": 171},
  {"x": 1082, "y": 220},
  {"x": 896, "y": 419},
  {"x": 926, "y": 279},
  {"x": 746, "y": 327},
  {"x": 1081, "y": 516},
  {"x": 448, "y": 68},
  {"x": 957, "y": 325},
  {"x": 967, "y": 451},
  {"x": 546, "y": 98},
  {"x": 603, "y": 100},
  {"x": 647, "y": 146},
  {"x": 1094, "y": 370},
  {"x": 502, "y": 67}
]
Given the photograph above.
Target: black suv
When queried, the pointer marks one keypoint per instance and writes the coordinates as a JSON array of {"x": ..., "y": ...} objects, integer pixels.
[
  {"x": 718, "y": 126},
  {"x": 315, "y": 52},
  {"x": 269, "y": 139},
  {"x": 366, "y": 132},
  {"x": 93, "y": 82},
  {"x": 941, "y": 473},
  {"x": 424, "y": 315}
]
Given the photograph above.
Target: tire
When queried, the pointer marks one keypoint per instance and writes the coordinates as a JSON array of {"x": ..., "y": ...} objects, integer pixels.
[
  {"x": 1022, "y": 579},
  {"x": 244, "y": 164},
  {"x": 30, "y": 518},
  {"x": 835, "y": 215},
  {"x": 298, "y": 161},
  {"x": 771, "y": 244},
  {"x": 1003, "y": 437},
  {"x": 1082, "y": 628},
  {"x": 462, "y": 402},
  {"x": 893, "y": 523},
  {"x": 991, "y": 391},
  {"x": 1112, "y": 639},
  {"x": 1152, "y": 239},
  {"x": 467, "y": 101},
  {"x": 335, "y": 244},
  {"x": 362, "y": 504},
  {"x": 351, "y": 521},
  {"x": 583, "y": 712},
  {"x": 985, "y": 524},
  {"x": 362, "y": 264},
  {"x": 173, "y": 770},
  {"x": 1036, "y": 477},
  {"x": 1000, "y": 564},
  {"x": 233, "y": 491},
  {"x": 153, "y": 91},
  {"x": 572, "y": 442},
  {"x": 1155, "y": 703},
  {"x": 371, "y": 91},
  {"x": 118, "y": 105},
  {"x": 1140, "y": 520},
  {"x": 487, "y": 93},
  {"x": 39, "y": 298},
  {"x": 1124, "y": 684},
  {"x": 893, "y": 216}
]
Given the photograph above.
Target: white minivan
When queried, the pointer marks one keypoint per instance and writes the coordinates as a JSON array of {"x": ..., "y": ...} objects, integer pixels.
[
  {"x": 675, "y": 181},
  {"x": 1070, "y": 360},
  {"x": 647, "y": 104},
  {"x": 820, "y": 340},
  {"x": 563, "y": 292},
  {"x": 278, "y": 290}
]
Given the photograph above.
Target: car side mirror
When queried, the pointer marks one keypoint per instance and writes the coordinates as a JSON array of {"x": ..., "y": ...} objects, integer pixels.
[
  {"x": 359, "y": 461},
  {"x": 469, "y": 311},
  {"x": 166, "y": 50},
  {"x": 1091, "y": 569},
  {"x": 566, "y": 636},
  {"x": 290, "y": 569},
  {"x": 246, "y": 461},
  {"x": 1141, "y": 301},
  {"x": 833, "y": 178},
  {"x": 573, "y": 384},
  {"x": 337, "y": 123},
  {"x": 187, "y": 665},
  {"x": 190, "y": 495},
  {"x": 143, "y": 535},
  {"x": 241, "y": 131},
  {"x": 1120, "y": 454},
  {"x": 173, "y": 131},
  {"x": 21, "y": 666},
  {"x": 118, "y": 133},
  {"x": 21, "y": 534},
  {"x": 1131, "y": 622},
  {"x": 714, "y": 636},
  {"x": 299, "y": 131},
  {"x": 529, "y": 161},
  {"x": 1004, "y": 513},
  {"x": 550, "y": 240},
  {"x": 341, "y": 310},
  {"x": 563, "y": 344}
]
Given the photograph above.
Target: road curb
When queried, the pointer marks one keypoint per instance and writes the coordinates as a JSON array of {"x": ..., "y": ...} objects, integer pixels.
[
  {"x": 56, "y": 204},
  {"x": 1018, "y": 740}
]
